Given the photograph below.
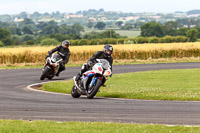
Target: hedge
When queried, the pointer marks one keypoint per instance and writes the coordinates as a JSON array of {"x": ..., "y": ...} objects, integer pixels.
[{"x": 137, "y": 40}]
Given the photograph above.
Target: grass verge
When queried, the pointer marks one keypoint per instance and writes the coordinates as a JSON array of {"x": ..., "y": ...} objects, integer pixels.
[
  {"x": 155, "y": 85},
  {"x": 29, "y": 66},
  {"x": 19, "y": 126}
]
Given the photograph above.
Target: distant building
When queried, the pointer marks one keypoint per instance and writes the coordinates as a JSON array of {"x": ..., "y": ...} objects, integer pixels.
[
  {"x": 18, "y": 20},
  {"x": 102, "y": 19},
  {"x": 154, "y": 17},
  {"x": 73, "y": 16},
  {"x": 92, "y": 19},
  {"x": 131, "y": 18},
  {"x": 194, "y": 15},
  {"x": 189, "y": 26}
]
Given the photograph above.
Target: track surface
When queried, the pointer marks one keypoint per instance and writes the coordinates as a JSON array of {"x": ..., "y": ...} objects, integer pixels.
[{"x": 18, "y": 102}]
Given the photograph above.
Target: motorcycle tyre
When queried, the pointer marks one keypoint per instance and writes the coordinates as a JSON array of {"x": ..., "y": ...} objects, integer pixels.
[
  {"x": 95, "y": 90},
  {"x": 74, "y": 92},
  {"x": 50, "y": 77},
  {"x": 44, "y": 73}
]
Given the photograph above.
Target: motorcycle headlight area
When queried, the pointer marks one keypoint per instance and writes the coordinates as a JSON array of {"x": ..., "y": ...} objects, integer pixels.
[
  {"x": 53, "y": 60},
  {"x": 107, "y": 73},
  {"x": 97, "y": 68},
  {"x": 54, "y": 65}
]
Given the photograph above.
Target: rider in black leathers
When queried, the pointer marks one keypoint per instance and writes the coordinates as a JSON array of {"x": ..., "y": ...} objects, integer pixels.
[
  {"x": 63, "y": 51},
  {"x": 105, "y": 54}
]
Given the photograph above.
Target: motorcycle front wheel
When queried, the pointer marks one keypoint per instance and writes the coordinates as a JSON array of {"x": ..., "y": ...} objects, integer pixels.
[
  {"x": 44, "y": 73},
  {"x": 93, "y": 90}
]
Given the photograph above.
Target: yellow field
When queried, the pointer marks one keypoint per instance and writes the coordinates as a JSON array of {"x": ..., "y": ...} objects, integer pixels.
[{"x": 82, "y": 53}]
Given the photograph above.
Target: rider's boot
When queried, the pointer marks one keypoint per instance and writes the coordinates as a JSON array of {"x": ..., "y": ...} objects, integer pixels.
[
  {"x": 78, "y": 76},
  {"x": 57, "y": 74},
  {"x": 76, "y": 79}
]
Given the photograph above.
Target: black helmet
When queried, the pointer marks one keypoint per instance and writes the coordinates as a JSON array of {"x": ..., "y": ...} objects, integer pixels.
[
  {"x": 108, "y": 50},
  {"x": 65, "y": 44}
]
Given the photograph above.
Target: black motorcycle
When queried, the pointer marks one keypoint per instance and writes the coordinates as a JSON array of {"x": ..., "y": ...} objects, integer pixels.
[{"x": 51, "y": 67}]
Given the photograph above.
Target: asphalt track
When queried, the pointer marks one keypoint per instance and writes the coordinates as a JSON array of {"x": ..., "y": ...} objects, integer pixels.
[{"x": 18, "y": 102}]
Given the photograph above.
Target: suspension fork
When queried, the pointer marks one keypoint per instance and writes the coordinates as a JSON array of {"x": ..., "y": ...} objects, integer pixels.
[{"x": 94, "y": 80}]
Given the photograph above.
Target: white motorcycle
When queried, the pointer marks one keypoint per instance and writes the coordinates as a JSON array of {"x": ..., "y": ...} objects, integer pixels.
[
  {"x": 92, "y": 80},
  {"x": 51, "y": 67}
]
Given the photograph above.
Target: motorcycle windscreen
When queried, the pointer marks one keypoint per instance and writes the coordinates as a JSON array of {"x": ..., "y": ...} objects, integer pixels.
[
  {"x": 56, "y": 57},
  {"x": 105, "y": 63}
]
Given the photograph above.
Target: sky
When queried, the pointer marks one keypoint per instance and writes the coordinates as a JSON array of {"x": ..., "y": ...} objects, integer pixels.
[{"x": 72, "y": 6}]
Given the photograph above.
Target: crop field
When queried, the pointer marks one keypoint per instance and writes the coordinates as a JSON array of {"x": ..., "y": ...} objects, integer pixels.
[{"x": 37, "y": 54}]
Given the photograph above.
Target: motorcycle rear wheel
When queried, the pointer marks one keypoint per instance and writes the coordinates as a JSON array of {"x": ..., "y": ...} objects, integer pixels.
[
  {"x": 74, "y": 92},
  {"x": 50, "y": 77}
]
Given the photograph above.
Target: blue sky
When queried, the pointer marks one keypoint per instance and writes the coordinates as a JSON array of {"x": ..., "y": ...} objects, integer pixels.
[{"x": 30, "y": 6}]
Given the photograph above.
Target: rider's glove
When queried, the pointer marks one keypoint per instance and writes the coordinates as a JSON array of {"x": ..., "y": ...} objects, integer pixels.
[
  {"x": 62, "y": 62},
  {"x": 47, "y": 56}
]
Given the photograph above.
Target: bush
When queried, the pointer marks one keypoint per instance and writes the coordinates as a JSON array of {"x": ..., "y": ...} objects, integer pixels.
[
  {"x": 153, "y": 40},
  {"x": 129, "y": 41},
  {"x": 94, "y": 42},
  {"x": 109, "y": 41},
  {"x": 83, "y": 42},
  {"x": 192, "y": 34},
  {"x": 1, "y": 44},
  {"x": 168, "y": 39},
  {"x": 137, "y": 40},
  {"x": 181, "y": 39},
  {"x": 121, "y": 41},
  {"x": 74, "y": 42},
  {"x": 30, "y": 42},
  {"x": 16, "y": 39},
  {"x": 49, "y": 41},
  {"x": 7, "y": 41},
  {"x": 26, "y": 37},
  {"x": 141, "y": 40}
]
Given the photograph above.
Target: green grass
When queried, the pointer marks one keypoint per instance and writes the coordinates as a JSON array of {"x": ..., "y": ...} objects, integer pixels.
[
  {"x": 128, "y": 33},
  {"x": 19, "y": 126},
  {"x": 155, "y": 85}
]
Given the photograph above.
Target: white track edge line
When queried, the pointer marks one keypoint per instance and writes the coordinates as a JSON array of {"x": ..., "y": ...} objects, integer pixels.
[
  {"x": 169, "y": 125},
  {"x": 30, "y": 88}
]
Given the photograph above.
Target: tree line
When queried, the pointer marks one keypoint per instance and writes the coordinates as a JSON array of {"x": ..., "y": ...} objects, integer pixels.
[
  {"x": 170, "y": 28},
  {"x": 28, "y": 32}
]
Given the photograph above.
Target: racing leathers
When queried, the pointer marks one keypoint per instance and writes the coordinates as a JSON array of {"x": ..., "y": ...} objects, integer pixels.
[
  {"x": 92, "y": 61},
  {"x": 64, "y": 53}
]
